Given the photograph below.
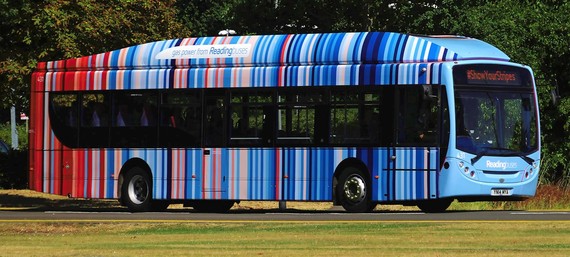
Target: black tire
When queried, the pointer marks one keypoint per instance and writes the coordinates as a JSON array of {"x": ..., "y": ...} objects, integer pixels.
[
  {"x": 136, "y": 190},
  {"x": 216, "y": 206},
  {"x": 435, "y": 206},
  {"x": 354, "y": 191}
]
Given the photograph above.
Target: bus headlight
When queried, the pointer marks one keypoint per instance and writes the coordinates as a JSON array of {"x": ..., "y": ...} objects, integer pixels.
[{"x": 466, "y": 169}]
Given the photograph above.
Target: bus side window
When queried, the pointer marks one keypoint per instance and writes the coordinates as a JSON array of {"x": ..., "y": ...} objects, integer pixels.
[
  {"x": 94, "y": 121},
  {"x": 180, "y": 119},
  {"x": 134, "y": 120},
  {"x": 64, "y": 117},
  {"x": 355, "y": 117},
  {"x": 214, "y": 121},
  {"x": 296, "y": 118}
]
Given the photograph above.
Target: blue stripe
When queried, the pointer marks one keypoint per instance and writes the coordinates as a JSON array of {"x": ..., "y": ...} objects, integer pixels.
[{"x": 110, "y": 171}]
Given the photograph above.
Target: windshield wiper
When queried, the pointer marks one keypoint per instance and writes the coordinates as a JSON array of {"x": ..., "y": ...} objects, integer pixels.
[
  {"x": 525, "y": 158},
  {"x": 508, "y": 153},
  {"x": 478, "y": 156}
]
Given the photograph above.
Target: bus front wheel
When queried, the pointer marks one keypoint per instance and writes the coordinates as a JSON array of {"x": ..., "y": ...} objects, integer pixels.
[{"x": 353, "y": 190}]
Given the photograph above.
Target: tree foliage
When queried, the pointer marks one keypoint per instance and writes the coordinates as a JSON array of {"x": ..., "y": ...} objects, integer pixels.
[
  {"x": 535, "y": 33},
  {"x": 50, "y": 30}
]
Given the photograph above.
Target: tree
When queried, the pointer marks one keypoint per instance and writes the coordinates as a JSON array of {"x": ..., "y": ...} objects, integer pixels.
[
  {"x": 50, "y": 30},
  {"x": 206, "y": 17},
  {"x": 298, "y": 16},
  {"x": 535, "y": 33}
]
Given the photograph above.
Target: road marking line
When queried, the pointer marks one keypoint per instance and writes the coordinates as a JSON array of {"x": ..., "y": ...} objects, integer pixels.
[{"x": 540, "y": 213}]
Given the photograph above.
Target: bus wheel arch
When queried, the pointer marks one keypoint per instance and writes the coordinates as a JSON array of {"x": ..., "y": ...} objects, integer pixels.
[{"x": 352, "y": 186}]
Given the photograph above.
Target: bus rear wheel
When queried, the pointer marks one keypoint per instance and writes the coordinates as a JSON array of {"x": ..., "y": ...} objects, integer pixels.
[
  {"x": 434, "y": 206},
  {"x": 353, "y": 190},
  {"x": 136, "y": 192}
]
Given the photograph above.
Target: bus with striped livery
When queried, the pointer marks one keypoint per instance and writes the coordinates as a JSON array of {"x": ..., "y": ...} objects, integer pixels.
[{"x": 358, "y": 119}]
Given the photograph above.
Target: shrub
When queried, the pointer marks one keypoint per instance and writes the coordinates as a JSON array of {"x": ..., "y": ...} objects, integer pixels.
[{"x": 14, "y": 170}]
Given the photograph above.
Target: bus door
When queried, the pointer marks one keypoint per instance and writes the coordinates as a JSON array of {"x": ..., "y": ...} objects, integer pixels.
[
  {"x": 414, "y": 157},
  {"x": 214, "y": 175}
]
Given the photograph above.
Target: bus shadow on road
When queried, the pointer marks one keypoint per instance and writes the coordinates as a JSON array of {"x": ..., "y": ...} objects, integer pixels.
[{"x": 19, "y": 202}]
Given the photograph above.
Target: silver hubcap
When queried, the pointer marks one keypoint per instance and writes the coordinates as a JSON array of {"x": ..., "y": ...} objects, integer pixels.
[
  {"x": 355, "y": 189},
  {"x": 138, "y": 189}
]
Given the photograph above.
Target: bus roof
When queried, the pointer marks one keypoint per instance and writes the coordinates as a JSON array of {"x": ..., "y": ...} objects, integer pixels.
[{"x": 286, "y": 50}]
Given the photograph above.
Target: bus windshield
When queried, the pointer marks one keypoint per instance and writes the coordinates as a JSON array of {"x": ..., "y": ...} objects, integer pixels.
[{"x": 496, "y": 120}]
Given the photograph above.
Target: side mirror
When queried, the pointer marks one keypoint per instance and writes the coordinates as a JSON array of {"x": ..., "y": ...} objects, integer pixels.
[{"x": 429, "y": 94}]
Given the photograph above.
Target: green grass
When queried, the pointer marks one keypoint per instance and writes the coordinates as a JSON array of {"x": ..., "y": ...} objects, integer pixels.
[
  {"x": 287, "y": 239},
  {"x": 376, "y": 238}
]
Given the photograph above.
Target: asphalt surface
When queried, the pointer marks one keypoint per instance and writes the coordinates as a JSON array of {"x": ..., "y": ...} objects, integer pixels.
[{"x": 334, "y": 215}]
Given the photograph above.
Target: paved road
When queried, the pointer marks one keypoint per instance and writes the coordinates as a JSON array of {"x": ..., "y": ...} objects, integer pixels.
[{"x": 120, "y": 215}]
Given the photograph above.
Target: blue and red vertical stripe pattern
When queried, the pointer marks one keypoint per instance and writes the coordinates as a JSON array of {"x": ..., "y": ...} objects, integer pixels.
[{"x": 367, "y": 58}]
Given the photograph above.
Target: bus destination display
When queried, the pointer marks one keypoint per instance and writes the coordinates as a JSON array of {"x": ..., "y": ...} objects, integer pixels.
[{"x": 493, "y": 77}]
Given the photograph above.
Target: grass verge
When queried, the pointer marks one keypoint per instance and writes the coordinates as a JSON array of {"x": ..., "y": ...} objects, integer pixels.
[
  {"x": 287, "y": 239},
  {"x": 380, "y": 238}
]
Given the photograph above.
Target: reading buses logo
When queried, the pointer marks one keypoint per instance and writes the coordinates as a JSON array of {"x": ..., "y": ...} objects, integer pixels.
[
  {"x": 205, "y": 51},
  {"x": 501, "y": 165}
]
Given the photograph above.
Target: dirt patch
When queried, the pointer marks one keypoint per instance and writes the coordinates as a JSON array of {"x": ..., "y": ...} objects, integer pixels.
[{"x": 35, "y": 200}]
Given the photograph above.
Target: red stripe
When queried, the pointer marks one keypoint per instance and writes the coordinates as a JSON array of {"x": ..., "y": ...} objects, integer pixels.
[
  {"x": 106, "y": 57},
  {"x": 36, "y": 131},
  {"x": 284, "y": 47},
  {"x": 81, "y": 174},
  {"x": 58, "y": 168},
  {"x": 83, "y": 80},
  {"x": 89, "y": 172},
  {"x": 104, "y": 75},
  {"x": 66, "y": 171},
  {"x": 206, "y": 80}
]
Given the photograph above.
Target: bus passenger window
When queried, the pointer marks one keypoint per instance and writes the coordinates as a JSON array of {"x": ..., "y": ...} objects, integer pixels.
[
  {"x": 214, "y": 125},
  {"x": 94, "y": 110},
  {"x": 134, "y": 120},
  {"x": 252, "y": 116},
  {"x": 64, "y": 116},
  {"x": 122, "y": 115},
  {"x": 95, "y": 121},
  {"x": 148, "y": 116},
  {"x": 180, "y": 119},
  {"x": 355, "y": 117},
  {"x": 296, "y": 118}
]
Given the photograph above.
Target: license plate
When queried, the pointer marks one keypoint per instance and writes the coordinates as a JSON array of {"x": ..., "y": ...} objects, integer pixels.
[{"x": 501, "y": 191}]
